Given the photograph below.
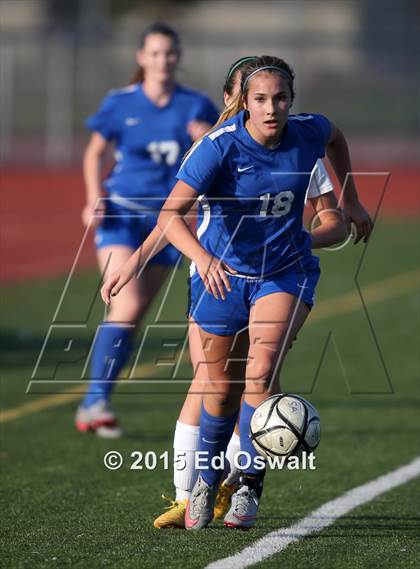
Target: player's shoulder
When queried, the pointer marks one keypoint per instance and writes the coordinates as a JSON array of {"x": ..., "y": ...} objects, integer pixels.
[
  {"x": 123, "y": 93},
  {"x": 305, "y": 118},
  {"x": 225, "y": 132},
  {"x": 216, "y": 143},
  {"x": 310, "y": 125},
  {"x": 219, "y": 141}
]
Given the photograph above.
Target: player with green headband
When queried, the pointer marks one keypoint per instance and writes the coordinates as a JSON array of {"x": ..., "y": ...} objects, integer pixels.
[{"x": 187, "y": 429}]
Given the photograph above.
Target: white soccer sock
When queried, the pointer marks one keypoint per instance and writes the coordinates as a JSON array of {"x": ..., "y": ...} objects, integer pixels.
[
  {"x": 232, "y": 450},
  {"x": 186, "y": 441}
]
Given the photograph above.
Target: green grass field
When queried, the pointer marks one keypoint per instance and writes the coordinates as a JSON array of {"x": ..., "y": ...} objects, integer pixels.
[{"x": 62, "y": 508}]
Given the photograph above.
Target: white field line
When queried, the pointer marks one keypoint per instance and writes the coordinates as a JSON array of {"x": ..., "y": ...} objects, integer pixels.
[{"x": 319, "y": 519}]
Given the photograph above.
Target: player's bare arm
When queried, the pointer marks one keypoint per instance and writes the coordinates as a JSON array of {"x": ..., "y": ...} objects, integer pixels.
[
  {"x": 331, "y": 225},
  {"x": 94, "y": 210},
  {"x": 339, "y": 156},
  {"x": 172, "y": 224}
]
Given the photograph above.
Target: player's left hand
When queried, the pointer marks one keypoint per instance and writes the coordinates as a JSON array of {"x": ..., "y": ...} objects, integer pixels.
[
  {"x": 213, "y": 274},
  {"x": 93, "y": 214},
  {"x": 361, "y": 220},
  {"x": 114, "y": 284},
  {"x": 196, "y": 129}
]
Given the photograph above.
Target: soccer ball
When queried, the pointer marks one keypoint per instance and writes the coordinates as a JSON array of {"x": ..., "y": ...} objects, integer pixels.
[{"x": 285, "y": 424}]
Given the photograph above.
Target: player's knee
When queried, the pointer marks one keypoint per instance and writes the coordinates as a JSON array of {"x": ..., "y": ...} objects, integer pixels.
[
  {"x": 260, "y": 371},
  {"x": 128, "y": 313},
  {"x": 261, "y": 376}
]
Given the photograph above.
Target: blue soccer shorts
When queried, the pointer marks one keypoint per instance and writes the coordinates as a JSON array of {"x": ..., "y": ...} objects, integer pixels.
[
  {"x": 227, "y": 317},
  {"x": 124, "y": 226}
]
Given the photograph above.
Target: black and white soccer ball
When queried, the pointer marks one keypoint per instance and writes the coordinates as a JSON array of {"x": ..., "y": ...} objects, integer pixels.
[{"x": 285, "y": 425}]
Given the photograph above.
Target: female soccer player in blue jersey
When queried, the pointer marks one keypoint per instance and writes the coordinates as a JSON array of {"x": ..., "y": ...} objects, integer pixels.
[
  {"x": 151, "y": 124},
  {"x": 186, "y": 440},
  {"x": 255, "y": 275}
]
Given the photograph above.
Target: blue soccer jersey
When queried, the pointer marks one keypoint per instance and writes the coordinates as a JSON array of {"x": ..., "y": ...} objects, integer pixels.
[
  {"x": 252, "y": 208},
  {"x": 150, "y": 140}
]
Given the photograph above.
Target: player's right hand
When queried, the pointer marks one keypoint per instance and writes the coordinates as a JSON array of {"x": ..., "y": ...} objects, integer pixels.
[
  {"x": 361, "y": 220},
  {"x": 93, "y": 214},
  {"x": 213, "y": 275},
  {"x": 113, "y": 285}
]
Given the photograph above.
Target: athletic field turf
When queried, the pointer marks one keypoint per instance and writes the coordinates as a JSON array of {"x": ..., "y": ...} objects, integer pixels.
[{"x": 62, "y": 507}]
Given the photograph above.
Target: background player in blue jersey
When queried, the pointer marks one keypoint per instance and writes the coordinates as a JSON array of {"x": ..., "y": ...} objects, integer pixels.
[
  {"x": 255, "y": 273},
  {"x": 151, "y": 124}
]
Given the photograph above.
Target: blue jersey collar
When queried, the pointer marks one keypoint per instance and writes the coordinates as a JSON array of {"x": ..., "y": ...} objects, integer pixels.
[{"x": 152, "y": 104}]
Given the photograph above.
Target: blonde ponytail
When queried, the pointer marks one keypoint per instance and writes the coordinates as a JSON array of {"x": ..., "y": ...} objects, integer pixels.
[
  {"x": 228, "y": 112},
  {"x": 231, "y": 110}
]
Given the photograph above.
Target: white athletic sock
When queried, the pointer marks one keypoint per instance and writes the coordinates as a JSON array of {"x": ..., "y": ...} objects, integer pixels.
[
  {"x": 186, "y": 441},
  {"x": 232, "y": 450}
]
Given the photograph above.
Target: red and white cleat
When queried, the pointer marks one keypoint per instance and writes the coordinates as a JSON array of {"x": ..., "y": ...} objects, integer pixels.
[
  {"x": 243, "y": 510},
  {"x": 200, "y": 506},
  {"x": 100, "y": 419}
]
